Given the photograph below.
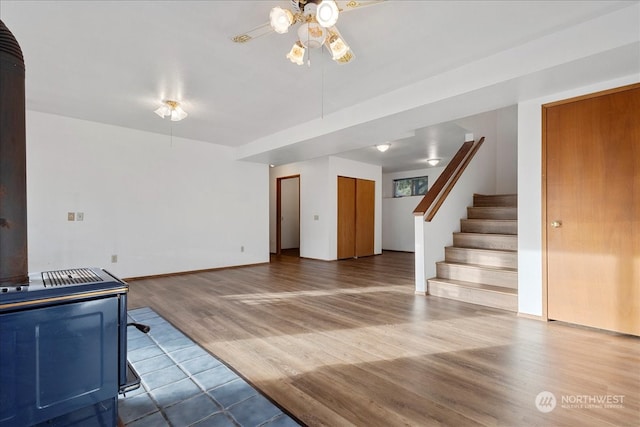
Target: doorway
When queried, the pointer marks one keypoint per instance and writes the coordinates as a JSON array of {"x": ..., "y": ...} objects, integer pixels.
[
  {"x": 288, "y": 215},
  {"x": 591, "y": 209}
]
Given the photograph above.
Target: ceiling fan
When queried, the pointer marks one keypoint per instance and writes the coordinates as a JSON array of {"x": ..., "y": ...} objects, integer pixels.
[{"x": 317, "y": 19}]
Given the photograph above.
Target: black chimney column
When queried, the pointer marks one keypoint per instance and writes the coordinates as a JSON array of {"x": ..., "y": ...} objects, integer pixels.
[{"x": 13, "y": 163}]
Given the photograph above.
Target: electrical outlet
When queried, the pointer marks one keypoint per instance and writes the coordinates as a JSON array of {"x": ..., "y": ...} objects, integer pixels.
[
  {"x": 241, "y": 248},
  {"x": 316, "y": 217},
  {"x": 114, "y": 258},
  {"x": 71, "y": 216},
  {"x": 79, "y": 216}
]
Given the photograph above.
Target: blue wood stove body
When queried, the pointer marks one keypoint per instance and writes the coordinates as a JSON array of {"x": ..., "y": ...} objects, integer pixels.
[{"x": 63, "y": 350}]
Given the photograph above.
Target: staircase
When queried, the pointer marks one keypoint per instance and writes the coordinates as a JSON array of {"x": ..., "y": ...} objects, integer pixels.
[{"x": 482, "y": 265}]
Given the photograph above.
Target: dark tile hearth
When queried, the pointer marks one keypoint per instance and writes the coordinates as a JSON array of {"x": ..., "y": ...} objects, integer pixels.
[{"x": 183, "y": 385}]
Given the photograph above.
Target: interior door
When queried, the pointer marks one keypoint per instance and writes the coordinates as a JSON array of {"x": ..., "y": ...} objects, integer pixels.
[
  {"x": 592, "y": 147},
  {"x": 290, "y": 213},
  {"x": 287, "y": 213},
  {"x": 346, "y": 217},
  {"x": 365, "y": 217}
]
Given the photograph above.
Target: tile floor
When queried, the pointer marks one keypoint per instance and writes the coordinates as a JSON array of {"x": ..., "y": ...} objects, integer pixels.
[{"x": 183, "y": 385}]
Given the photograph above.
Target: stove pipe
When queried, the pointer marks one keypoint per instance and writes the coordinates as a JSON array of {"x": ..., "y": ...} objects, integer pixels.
[{"x": 13, "y": 163}]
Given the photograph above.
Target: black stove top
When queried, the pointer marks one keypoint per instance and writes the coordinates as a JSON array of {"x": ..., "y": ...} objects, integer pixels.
[{"x": 56, "y": 284}]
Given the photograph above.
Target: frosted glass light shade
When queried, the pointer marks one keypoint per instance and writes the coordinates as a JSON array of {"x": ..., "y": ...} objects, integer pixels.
[
  {"x": 280, "y": 20},
  {"x": 178, "y": 114},
  {"x": 311, "y": 35},
  {"x": 163, "y": 111},
  {"x": 296, "y": 55},
  {"x": 338, "y": 47},
  {"x": 327, "y": 13}
]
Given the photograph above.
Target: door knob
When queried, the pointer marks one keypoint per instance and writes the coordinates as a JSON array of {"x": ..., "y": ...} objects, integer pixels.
[{"x": 556, "y": 224}]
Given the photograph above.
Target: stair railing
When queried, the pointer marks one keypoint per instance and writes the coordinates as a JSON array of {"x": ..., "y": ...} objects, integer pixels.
[{"x": 437, "y": 194}]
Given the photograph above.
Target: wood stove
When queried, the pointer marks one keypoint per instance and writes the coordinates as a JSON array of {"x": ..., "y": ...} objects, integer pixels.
[
  {"x": 63, "y": 349},
  {"x": 63, "y": 333}
]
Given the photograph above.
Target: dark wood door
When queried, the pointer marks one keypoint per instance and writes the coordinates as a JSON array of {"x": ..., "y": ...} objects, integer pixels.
[
  {"x": 592, "y": 147},
  {"x": 346, "y": 217}
]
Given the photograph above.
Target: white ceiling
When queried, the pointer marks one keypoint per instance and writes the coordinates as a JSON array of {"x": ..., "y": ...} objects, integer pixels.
[{"x": 113, "y": 61}]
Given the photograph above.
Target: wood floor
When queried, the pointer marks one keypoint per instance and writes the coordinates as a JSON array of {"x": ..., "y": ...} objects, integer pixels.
[{"x": 349, "y": 343}]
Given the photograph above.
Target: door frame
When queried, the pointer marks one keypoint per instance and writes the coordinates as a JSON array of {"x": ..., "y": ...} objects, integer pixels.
[
  {"x": 279, "y": 209},
  {"x": 545, "y": 219}
]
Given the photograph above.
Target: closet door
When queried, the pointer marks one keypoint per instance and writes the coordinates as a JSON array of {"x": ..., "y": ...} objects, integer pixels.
[
  {"x": 365, "y": 216},
  {"x": 346, "y": 217},
  {"x": 356, "y": 216}
]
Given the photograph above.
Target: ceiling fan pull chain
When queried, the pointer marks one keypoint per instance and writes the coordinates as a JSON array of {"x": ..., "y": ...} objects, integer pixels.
[{"x": 309, "y": 50}]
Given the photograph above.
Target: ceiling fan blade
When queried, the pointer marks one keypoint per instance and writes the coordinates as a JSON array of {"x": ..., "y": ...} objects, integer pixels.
[
  {"x": 256, "y": 32},
  {"x": 346, "y": 6},
  {"x": 295, "y": 5}
]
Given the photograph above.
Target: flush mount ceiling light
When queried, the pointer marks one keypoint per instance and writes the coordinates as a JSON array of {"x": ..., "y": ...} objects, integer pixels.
[
  {"x": 317, "y": 19},
  {"x": 171, "y": 109},
  {"x": 433, "y": 162},
  {"x": 383, "y": 147}
]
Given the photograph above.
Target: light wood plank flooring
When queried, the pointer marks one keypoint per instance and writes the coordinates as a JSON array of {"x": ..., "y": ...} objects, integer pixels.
[{"x": 349, "y": 343}]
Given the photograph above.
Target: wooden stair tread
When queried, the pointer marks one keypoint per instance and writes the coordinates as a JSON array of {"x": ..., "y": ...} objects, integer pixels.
[
  {"x": 492, "y": 212},
  {"x": 489, "y": 226},
  {"x": 479, "y": 266},
  {"x": 474, "y": 285},
  {"x": 483, "y": 250},
  {"x": 498, "y": 220},
  {"x": 485, "y": 234},
  {"x": 510, "y": 200},
  {"x": 462, "y": 233}
]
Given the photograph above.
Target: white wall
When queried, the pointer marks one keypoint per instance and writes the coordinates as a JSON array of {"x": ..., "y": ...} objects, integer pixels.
[
  {"x": 290, "y": 224},
  {"x": 507, "y": 150},
  {"x": 530, "y": 192},
  {"x": 314, "y": 194},
  {"x": 397, "y": 213},
  {"x": 161, "y": 206},
  {"x": 319, "y": 203}
]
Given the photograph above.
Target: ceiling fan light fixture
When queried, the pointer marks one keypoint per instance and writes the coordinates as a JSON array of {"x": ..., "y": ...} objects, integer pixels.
[
  {"x": 178, "y": 114},
  {"x": 337, "y": 46},
  {"x": 327, "y": 13},
  {"x": 280, "y": 19},
  {"x": 171, "y": 109},
  {"x": 311, "y": 35},
  {"x": 296, "y": 54},
  {"x": 347, "y": 57},
  {"x": 163, "y": 111},
  {"x": 383, "y": 147}
]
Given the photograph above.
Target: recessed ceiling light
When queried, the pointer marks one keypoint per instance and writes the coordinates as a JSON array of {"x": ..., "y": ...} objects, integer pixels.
[
  {"x": 383, "y": 147},
  {"x": 433, "y": 162}
]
